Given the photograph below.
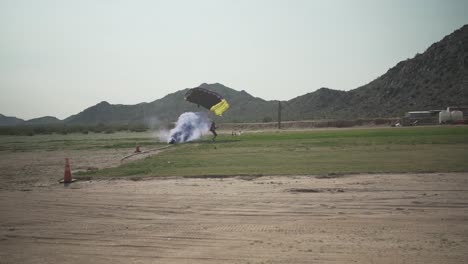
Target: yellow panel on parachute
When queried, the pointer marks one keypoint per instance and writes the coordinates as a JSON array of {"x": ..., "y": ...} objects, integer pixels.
[{"x": 220, "y": 107}]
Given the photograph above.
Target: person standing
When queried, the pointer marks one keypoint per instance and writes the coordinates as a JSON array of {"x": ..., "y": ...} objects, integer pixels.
[{"x": 213, "y": 130}]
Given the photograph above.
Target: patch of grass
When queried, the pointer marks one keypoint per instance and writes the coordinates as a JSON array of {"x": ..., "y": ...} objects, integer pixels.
[{"x": 421, "y": 149}]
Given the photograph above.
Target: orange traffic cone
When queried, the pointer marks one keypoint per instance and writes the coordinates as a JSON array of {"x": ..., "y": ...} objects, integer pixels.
[
  {"x": 67, "y": 178},
  {"x": 137, "y": 150}
]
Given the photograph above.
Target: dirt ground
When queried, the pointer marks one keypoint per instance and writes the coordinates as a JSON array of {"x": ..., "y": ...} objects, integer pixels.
[
  {"x": 391, "y": 218},
  {"x": 25, "y": 170}
]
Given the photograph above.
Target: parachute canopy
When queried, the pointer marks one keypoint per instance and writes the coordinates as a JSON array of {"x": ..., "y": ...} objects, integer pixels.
[{"x": 208, "y": 99}]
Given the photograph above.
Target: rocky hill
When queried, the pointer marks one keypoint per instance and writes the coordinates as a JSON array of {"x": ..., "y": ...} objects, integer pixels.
[
  {"x": 10, "y": 121},
  {"x": 244, "y": 107},
  {"x": 434, "y": 79},
  {"x": 13, "y": 121},
  {"x": 46, "y": 120}
]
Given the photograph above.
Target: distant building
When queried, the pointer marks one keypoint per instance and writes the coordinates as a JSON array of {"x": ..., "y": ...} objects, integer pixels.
[
  {"x": 453, "y": 115},
  {"x": 421, "y": 118},
  {"x": 463, "y": 109}
]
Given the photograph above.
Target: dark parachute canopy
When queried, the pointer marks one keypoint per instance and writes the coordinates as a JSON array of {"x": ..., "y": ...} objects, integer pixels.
[{"x": 208, "y": 99}]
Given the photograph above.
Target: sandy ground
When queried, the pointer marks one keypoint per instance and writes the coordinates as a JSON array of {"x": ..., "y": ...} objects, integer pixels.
[
  {"x": 24, "y": 170},
  {"x": 398, "y": 218}
]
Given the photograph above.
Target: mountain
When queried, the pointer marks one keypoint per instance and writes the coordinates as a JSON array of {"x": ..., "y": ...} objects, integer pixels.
[
  {"x": 321, "y": 104},
  {"x": 244, "y": 107},
  {"x": 13, "y": 121},
  {"x": 46, "y": 120},
  {"x": 10, "y": 121},
  {"x": 105, "y": 113},
  {"x": 433, "y": 80}
]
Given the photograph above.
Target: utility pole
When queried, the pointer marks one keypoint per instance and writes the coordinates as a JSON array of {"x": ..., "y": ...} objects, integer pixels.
[{"x": 279, "y": 114}]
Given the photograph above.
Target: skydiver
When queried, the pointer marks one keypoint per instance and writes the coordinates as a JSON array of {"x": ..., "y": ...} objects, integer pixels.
[{"x": 213, "y": 130}]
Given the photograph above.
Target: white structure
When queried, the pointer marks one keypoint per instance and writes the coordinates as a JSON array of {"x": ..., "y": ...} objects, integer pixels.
[
  {"x": 451, "y": 115},
  {"x": 444, "y": 117},
  {"x": 456, "y": 115}
]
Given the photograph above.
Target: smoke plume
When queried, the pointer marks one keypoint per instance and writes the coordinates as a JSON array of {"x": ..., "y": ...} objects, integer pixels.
[{"x": 190, "y": 126}]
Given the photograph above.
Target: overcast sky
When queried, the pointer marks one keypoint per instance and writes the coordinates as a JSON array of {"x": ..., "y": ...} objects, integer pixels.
[{"x": 60, "y": 57}]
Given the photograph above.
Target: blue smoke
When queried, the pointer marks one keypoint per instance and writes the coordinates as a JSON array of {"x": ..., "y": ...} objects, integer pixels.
[{"x": 190, "y": 126}]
